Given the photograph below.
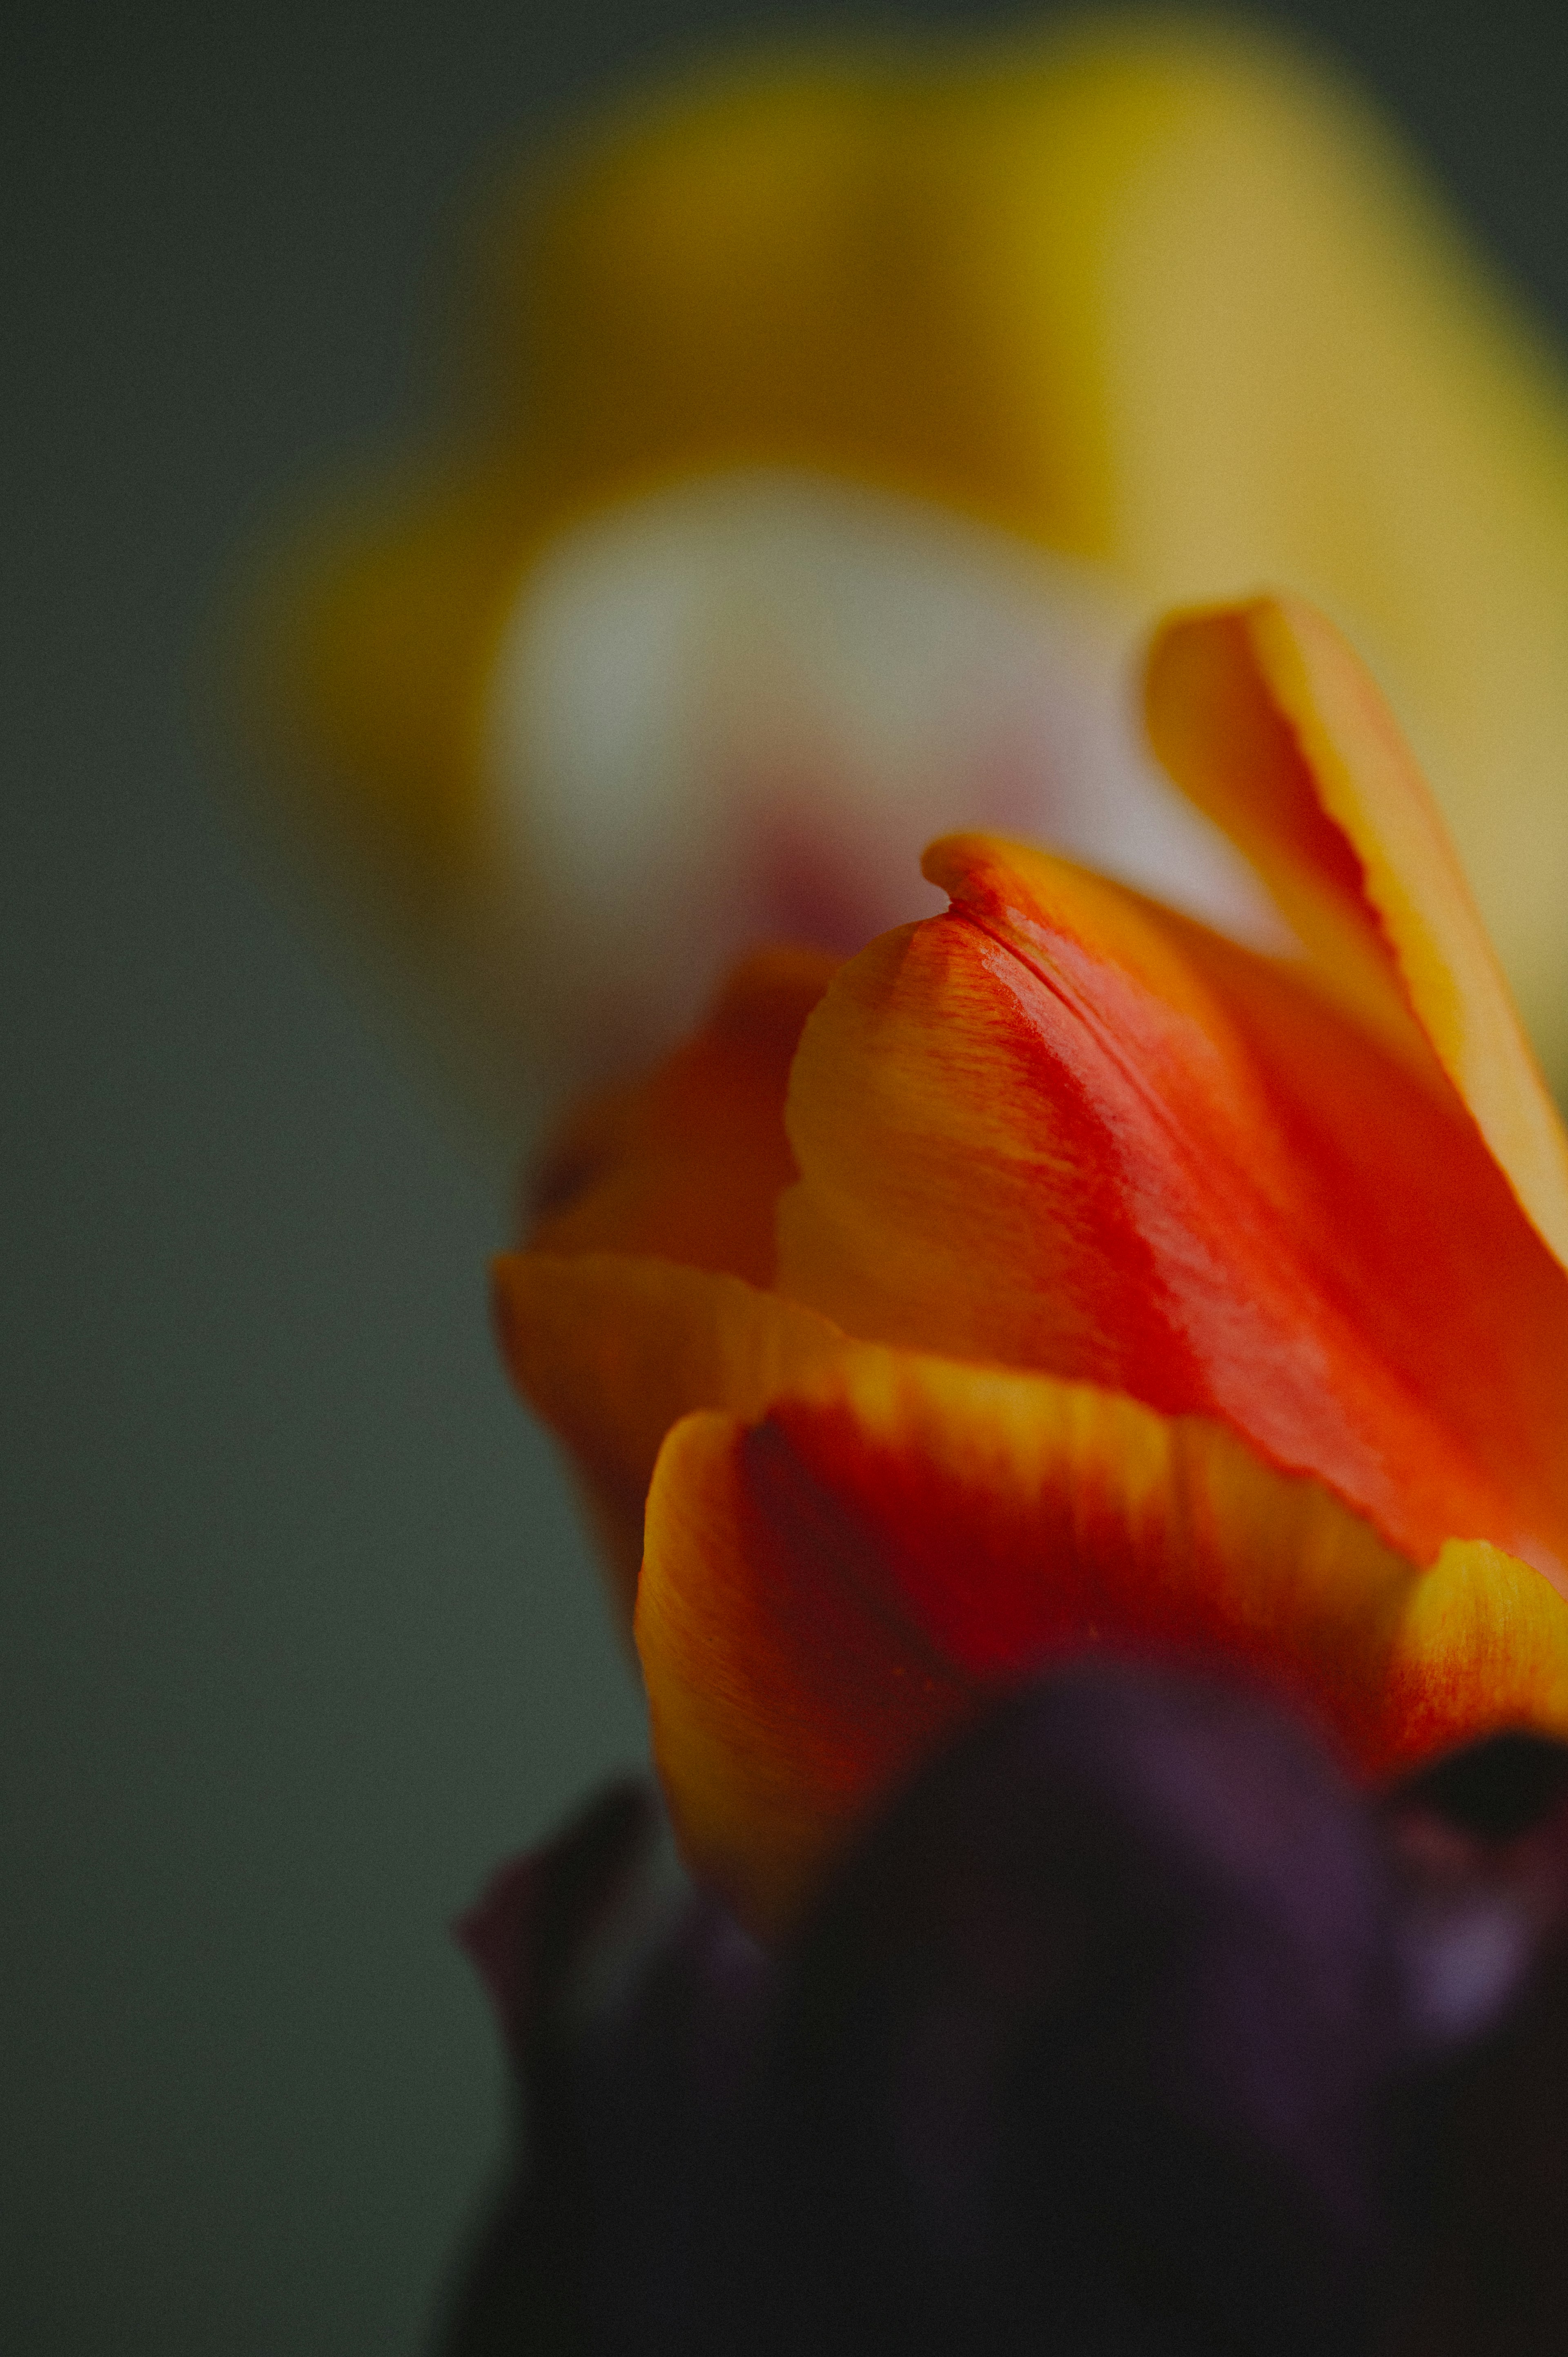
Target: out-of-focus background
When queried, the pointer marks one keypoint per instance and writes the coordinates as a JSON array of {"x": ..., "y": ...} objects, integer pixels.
[{"x": 299, "y": 1634}]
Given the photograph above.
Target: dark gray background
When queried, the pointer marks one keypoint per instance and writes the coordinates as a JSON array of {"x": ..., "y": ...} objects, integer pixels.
[{"x": 297, "y": 1632}]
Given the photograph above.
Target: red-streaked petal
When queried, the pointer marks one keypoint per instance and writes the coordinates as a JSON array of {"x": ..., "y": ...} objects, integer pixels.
[
  {"x": 689, "y": 1163},
  {"x": 782, "y": 1704},
  {"x": 1271, "y": 726},
  {"x": 1060, "y": 1127},
  {"x": 611, "y": 1350},
  {"x": 827, "y": 1592}
]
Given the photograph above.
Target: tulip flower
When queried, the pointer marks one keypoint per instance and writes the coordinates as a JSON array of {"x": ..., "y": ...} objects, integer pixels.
[
  {"x": 1057, "y": 1272},
  {"x": 838, "y": 427}
]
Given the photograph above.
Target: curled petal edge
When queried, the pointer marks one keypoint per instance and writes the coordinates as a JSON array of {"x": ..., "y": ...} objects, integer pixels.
[{"x": 1274, "y": 727}]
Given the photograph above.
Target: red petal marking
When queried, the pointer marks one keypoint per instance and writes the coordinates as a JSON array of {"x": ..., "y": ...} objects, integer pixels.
[{"x": 1062, "y": 1127}]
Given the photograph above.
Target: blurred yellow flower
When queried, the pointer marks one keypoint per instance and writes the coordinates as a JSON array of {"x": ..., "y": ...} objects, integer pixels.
[{"x": 834, "y": 427}]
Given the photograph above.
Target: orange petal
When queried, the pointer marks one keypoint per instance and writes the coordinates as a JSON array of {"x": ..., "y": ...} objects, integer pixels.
[
  {"x": 689, "y": 1163},
  {"x": 611, "y": 1350},
  {"x": 1271, "y": 726},
  {"x": 827, "y": 1592},
  {"x": 1060, "y": 1127}
]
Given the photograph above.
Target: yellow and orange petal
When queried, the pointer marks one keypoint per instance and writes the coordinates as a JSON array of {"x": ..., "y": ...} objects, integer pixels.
[
  {"x": 1271, "y": 725},
  {"x": 610, "y": 1349},
  {"x": 829, "y": 1590}
]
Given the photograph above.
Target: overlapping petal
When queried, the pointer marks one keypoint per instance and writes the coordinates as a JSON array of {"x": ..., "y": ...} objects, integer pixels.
[
  {"x": 611, "y": 1324},
  {"x": 829, "y": 1590},
  {"x": 612, "y": 1349}
]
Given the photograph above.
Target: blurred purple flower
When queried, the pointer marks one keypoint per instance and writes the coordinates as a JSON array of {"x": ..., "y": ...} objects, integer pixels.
[{"x": 1130, "y": 2028}]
